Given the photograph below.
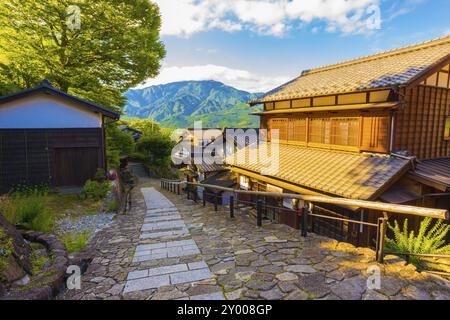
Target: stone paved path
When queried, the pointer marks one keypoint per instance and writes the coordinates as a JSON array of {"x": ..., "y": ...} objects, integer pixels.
[
  {"x": 163, "y": 221},
  {"x": 168, "y": 247}
]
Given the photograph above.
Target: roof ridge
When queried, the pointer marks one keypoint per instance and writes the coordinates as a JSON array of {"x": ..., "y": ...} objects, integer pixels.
[{"x": 379, "y": 55}]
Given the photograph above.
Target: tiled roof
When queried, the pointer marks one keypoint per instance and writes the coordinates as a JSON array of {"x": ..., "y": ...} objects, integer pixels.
[
  {"x": 206, "y": 168},
  {"x": 434, "y": 170},
  {"x": 381, "y": 70},
  {"x": 349, "y": 175}
]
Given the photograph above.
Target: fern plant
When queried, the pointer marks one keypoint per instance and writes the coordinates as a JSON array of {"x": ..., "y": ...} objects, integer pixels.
[{"x": 428, "y": 240}]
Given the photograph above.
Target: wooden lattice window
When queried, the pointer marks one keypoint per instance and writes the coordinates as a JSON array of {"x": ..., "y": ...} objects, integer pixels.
[
  {"x": 281, "y": 125},
  {"x": 345, "y": 131},
  {"x": 338, "y": 131},
  {"x": 319, "y": 130},
  {"x": 297, "y": 130}
]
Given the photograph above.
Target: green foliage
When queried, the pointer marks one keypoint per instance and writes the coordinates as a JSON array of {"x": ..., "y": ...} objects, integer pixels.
[
  {"x": 100, "y": 175},
  {"x": 96, "y": 190},
  {"x": 156, "y": 148},
  {"x": 116, "y": 47},
  {"x": 429, "y": 240},
  {"x": 75, "y": 241},
  {"x": 37, "y": 263},
  {"x": 6, "y": 244},
  {"x": 179, "y": 104},
  {"x": 118, "y": 144},
  {"x": 146, "y": 126},
  {"x": 29, "y": 211},
  {"x": 112, "y": 206}
]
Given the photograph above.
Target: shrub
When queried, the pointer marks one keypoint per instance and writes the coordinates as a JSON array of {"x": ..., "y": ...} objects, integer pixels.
[
  {"x": 100, "y": 175},
  {"x": 75, "y": 241},
  {"x": 96, "y": 190},
  {"x": 112, "y": 206},
  {"x": 429, "y": 240}
]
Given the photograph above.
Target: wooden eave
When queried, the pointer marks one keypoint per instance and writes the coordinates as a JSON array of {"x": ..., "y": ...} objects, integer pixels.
[
  {"x": 335, "y": 108},
  {"x": 427, "y": 72}
]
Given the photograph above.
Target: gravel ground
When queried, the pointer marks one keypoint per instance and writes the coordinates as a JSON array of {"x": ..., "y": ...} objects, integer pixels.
[{"x": 85, "y": 223}]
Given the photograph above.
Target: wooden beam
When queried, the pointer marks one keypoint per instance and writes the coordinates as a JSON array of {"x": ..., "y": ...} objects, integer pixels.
[
  {"x": 356, "y": 107},
  {"x": 378, "y": 206}
]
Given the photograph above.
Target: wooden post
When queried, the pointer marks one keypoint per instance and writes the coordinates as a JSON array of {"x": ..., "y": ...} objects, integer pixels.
[
  {"x": 381, "y": 237},
  {"x": 231, "y": 206},
  {"x": 204, "y": 197},
  {"x": 259, "y": 212},
  {"x": 215, "y": 202},
  {"x": 305, "y": 212}
]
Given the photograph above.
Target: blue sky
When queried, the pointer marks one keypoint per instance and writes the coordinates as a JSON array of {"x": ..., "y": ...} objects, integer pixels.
[{"x": 256, "y": 45}]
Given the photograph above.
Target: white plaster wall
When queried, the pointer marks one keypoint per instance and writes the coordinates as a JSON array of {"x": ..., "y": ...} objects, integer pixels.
[{"x": 45, "y": 111}]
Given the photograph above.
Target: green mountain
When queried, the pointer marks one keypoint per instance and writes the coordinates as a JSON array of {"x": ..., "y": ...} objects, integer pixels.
[{"x": 179, "y": 104}]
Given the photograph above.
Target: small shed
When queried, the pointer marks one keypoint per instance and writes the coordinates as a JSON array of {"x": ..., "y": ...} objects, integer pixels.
[{"x": 49, "y": 137}]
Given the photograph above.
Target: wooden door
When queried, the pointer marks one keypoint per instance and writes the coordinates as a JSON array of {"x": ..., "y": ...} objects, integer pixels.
[{"x": 73, "y": 166}]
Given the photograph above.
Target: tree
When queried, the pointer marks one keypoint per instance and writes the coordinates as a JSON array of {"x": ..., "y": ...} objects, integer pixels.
[
  {"x": 115, "y": 47},
  {"x": 146, "y": 126}
]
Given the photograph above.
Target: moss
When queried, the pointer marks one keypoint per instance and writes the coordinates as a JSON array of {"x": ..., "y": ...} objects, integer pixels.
[
  {"x": 7, "y": 247},
  {"x": 38, "y": 263}
]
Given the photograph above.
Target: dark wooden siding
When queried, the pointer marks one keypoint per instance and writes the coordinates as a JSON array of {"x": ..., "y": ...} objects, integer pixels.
[
  {"x": 419, "y": 126},
  {"x": 27, "y": 156}
]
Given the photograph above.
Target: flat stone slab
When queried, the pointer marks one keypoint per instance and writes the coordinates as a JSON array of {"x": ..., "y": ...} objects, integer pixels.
[
  {"x": 154, "y": 199},
  {"x": 162, "y": 276},
  {"x": 161, "y": 250},
  {"x": 146, "y": 283},
  {"x": 208, "y": 296},
  {"x": 163, "y": 225},
  {"x": 190, "y": 276},
  {"x": 165, "y": 234},
  {"x": 161, "y": 211},
  {"x": 163, "y": 218}
]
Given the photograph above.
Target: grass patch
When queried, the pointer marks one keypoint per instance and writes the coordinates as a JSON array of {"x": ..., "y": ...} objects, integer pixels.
[
  {"x": 39, "y": 212},
  {"x": 75, "y": 241},
  {"x": 112, "y": 206}
]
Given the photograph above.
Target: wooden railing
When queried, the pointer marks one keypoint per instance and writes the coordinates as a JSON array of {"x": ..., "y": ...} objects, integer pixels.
[{"x": 306, "y": 204}]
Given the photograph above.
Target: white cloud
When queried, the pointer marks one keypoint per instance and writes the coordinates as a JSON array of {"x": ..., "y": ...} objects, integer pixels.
[
  {"x": 240, "y": 79},
  {"x": 271, "y": 17}
]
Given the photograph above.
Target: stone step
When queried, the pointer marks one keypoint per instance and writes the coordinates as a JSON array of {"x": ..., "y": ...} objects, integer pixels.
[
  {"x": 177, "y": 233},
  {"x": 163, "y": 250},
  {"x": 164, "y": 225},
  {"x": 163, "y": 218},
  {"x": 168, "y": 275}
]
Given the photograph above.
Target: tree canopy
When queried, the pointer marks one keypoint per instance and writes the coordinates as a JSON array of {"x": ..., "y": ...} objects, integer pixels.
[{"x": 114, "y": 47}]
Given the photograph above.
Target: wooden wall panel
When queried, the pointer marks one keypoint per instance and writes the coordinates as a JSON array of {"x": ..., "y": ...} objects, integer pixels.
[
  {"x": 27, "y": 155},
  {"x": 419, "y": 126}
]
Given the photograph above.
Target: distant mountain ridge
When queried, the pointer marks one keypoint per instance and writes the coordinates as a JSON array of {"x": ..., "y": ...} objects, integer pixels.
[{"x": 179, "y": 104}]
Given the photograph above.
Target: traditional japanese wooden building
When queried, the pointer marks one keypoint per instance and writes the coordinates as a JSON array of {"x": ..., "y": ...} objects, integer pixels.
[
  {"x": 51, "y": 138},
  {"x": 374, "y": 128}
]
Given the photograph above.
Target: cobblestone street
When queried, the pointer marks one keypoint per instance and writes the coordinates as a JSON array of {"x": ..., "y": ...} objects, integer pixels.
[{"x": 168, "y": 247}]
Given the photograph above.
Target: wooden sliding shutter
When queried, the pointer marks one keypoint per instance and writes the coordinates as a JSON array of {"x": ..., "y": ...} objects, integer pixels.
[
  {"x": 280, "y": 124},
  {"x": 375, "y": 134}
]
